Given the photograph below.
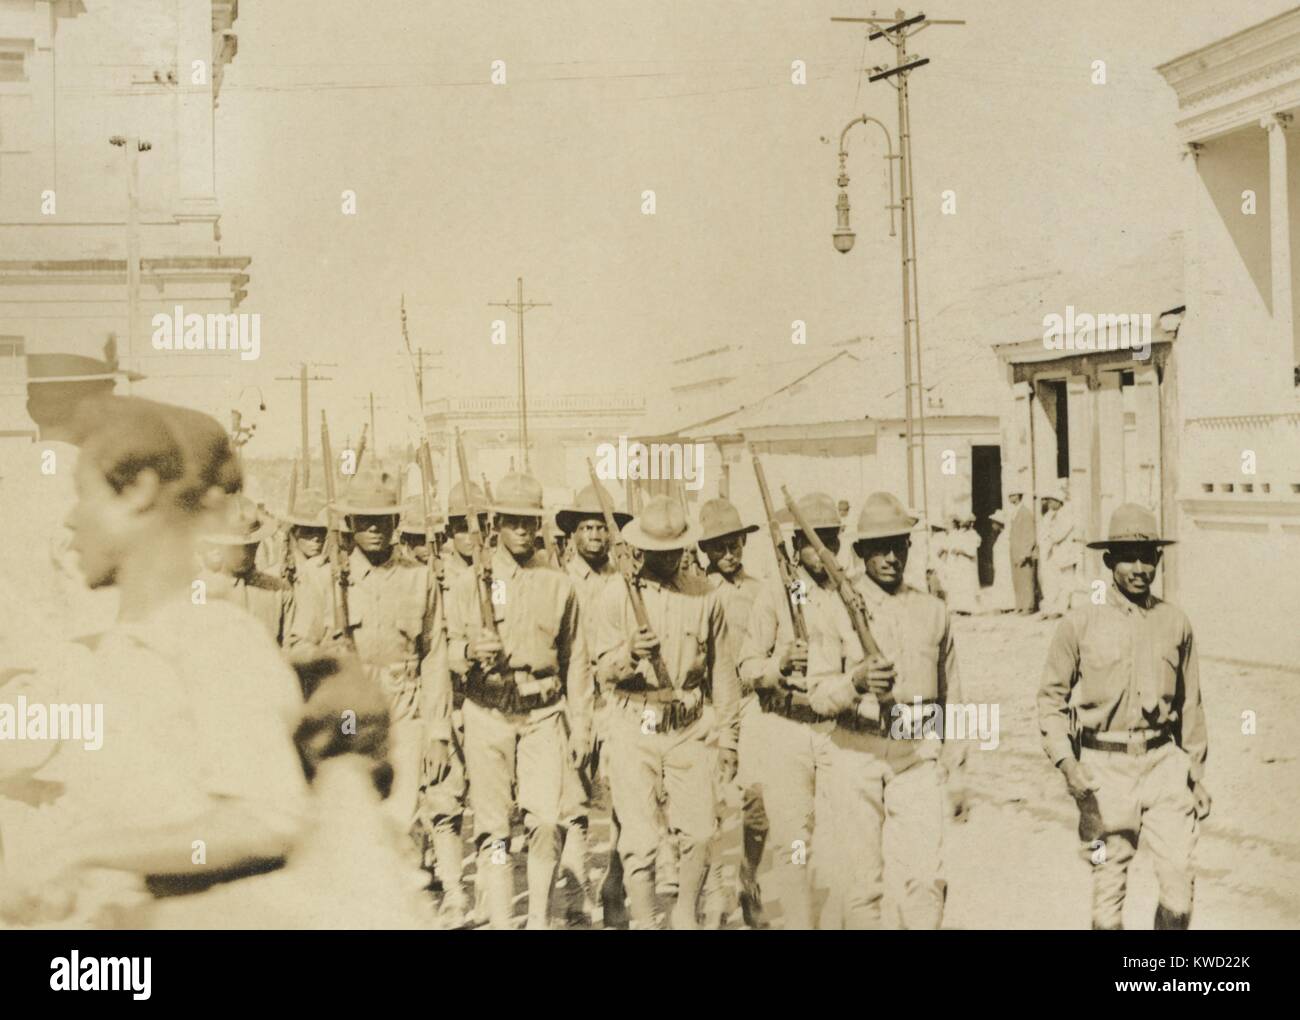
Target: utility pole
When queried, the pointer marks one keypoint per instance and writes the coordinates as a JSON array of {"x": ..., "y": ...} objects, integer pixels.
[
  {"x": 132, "y": 146},
  {"x": 303, "y": 379},
  {"x": 518, "y": 306},
  {"x": 898, "y": 30}
]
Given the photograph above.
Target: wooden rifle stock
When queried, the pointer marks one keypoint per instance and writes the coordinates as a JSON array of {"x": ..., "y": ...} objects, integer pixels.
[
  {"x": 338, "y": 558},
  {"x": 482, "y": 568},
  {"x": 623, "y": 557},
  {"x": 852, "y": 599},
  {"x": 288, "y": 570},
  {"x": 784, "y": 564}
]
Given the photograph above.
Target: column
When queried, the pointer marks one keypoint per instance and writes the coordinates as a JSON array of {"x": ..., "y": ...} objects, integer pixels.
[
  {"x": 1279, "y": 218},
  {"x": 1083, "y": 477},
  {"x": 1109, "y": 427},
  {"x": 197, "y": 185},
  {"x": 1017, "y": 470}
]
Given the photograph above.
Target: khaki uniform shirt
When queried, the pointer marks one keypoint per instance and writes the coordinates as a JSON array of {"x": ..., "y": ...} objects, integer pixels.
[
  {"x": 833, "y": 647},
  {"x": 687, "y": 617},
  {"x": 396, "y": 623},
  {"x": 590, "y": 583},
  {"x": 537, "y": 614},
  {"x": 1120, "y": 667},
  {"x": 912, "y": 629}
]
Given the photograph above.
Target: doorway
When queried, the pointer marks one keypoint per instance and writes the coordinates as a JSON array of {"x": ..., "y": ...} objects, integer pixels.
[{"x": 985, "y": 497}]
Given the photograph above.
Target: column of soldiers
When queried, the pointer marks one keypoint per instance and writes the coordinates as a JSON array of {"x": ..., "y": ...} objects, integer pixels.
[{"x": 538, "y": 683}]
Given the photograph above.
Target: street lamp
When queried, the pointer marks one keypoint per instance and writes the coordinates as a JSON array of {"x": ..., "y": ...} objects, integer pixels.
[{"x": 843, "y": 235}]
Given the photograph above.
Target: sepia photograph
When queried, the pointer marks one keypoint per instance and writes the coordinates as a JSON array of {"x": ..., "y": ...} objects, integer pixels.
[{"x": 676, "y": 464}]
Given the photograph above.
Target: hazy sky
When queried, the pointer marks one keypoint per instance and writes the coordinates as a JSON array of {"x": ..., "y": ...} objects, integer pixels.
[{"x": 463, "y": 185}]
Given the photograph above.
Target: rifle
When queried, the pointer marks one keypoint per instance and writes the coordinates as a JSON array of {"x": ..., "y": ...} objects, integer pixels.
[
  {"x": 482, "y": 567},
  {"x": 851, "y": 597},
  {"x": 491, "y": 517},
  {"x": 288, "y": 570},
  {"x": 425, "y": 460},
  {"x": 623, "y": 556},
  {"x": 361, "y": 450},
  {"x": 784, "y": 565},
  {"x": 338, "y": 558}
]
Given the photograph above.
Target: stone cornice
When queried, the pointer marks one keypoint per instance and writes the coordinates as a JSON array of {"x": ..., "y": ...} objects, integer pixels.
[{"x": 1233, "y": 81}]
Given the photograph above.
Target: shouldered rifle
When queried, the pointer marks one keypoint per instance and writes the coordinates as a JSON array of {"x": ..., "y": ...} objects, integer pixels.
[
  {"x": 784, "y": 564},
  {"x": 338, "y": 558},
  {"x": 361, "y": 449},
  {"x": 482, "y": 566},
  {"x": 851, "y": 597},
  {"x": 434, "y": 553},
  {"x": 626, "y": 566},
  {"x": 288, "y": 569}
]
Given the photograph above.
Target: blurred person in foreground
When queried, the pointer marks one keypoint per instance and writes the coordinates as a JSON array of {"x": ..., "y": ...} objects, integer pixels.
[{"x": 193, "y": 779}]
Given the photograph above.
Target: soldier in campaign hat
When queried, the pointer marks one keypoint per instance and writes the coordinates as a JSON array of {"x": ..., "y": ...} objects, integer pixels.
[
  {"x": 229, "y": 559},
  {"x": 796, "y": 744},
  {"x": 589, "y": 564},
  {"x": 722, "y": 541},
  {"x": 394, "y": 619},
  {"x": 674, "y": 730},
  {"x": 1121, "y": 716},
  {"x": 889, "y": 778},
  {"x": 526, "y": 676},
  {"x": 458, "y": 551}
]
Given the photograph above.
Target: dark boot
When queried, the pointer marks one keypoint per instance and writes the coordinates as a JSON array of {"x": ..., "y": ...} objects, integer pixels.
[{"x": 1167, "y": 920}]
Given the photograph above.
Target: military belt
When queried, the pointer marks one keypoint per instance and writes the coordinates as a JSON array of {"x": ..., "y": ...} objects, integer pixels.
[
  {"x": 789, "y": 704},
  {"x": 1134, "y": 742},
  {"x": 515, "y": 693},
  {"x": 673, "y": 709},
  {"x": 882, "y": 727}
]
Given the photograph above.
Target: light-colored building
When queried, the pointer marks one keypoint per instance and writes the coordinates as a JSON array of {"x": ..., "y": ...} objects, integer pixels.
[
  {"x": 1099, "y": 415},
  {"x": 564, "y": 431},
  {"x": 838, "y": 428},
  {"x": 1238, "y": 464},
  {"x": 141, "y": 70}
]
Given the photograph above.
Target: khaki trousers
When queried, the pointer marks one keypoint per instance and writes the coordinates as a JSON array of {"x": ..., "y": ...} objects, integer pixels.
[
  {"x": 1140, "y": 798},
  {"x": 513, "y": 759},
  {"x": 795, "y": 765},
  {"x": 887, "y": 807},
  {"x": 680, "y": 762}
]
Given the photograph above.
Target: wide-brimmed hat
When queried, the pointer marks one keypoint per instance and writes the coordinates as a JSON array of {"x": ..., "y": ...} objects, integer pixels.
[
  {"x": 586, "y": 504},
  {"x": 373, "y": 492},
  {"x": 308, "y": 510},
  {"x": 718, "y": 518},
  {"x": 661, "y": 525},
  {"x": 518, "y": 494},
  {"x": 413, "y": 522},
  {"x": 1131, "y": 524},
  {"x": 817, "y": 508},
  {"x": 883, "y": 516},
  {"x": 1053, "y": 490},
  {"x": 240, "y": 524},
  {"x": 55, "y": 367},
  {"x": 457, "y": 506}
]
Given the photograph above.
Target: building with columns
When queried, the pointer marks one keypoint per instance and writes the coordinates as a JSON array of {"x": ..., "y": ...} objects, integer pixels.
[
  {"x": 76, "y": 210},
  {"x": 1238, "y": 451}
]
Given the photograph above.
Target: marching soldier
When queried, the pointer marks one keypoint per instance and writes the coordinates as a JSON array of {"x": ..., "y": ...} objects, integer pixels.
[
  {"x": 886, "y": 782},
  {"x": 394, "y": 621},
  {"x": 794, "y": 746},
  {"x": 458, "y": 552},
  {"x": 669, "y": 731},
  {"x": 309, "y": 565},
  {"x": 590, "y": 567},
  {"x": 528, "y": 699},
  {"x": 413, "y": 532},
  {"x": 229, "y": 557},
  {"x": 1121, "y": 717},
  {"x": 723, "y": 543}
]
